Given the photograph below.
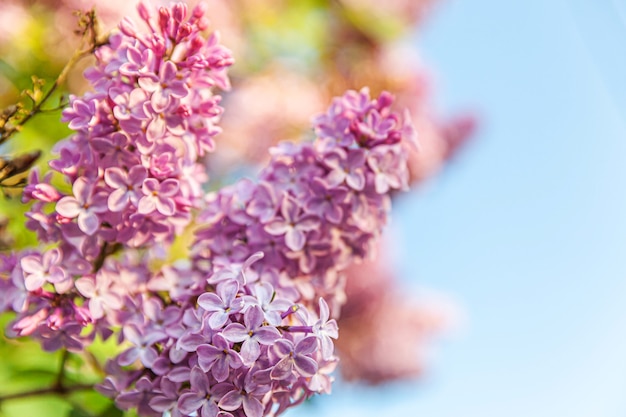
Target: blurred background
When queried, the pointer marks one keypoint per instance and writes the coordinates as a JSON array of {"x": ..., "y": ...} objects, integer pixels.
[
  {"x": 526, "y": 227},
  {"x": 513, "y": 242}
]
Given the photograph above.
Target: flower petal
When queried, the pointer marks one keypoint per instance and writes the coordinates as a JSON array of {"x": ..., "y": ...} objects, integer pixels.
[
  {"x": 88, "y": 222},
  {"x": 68, "y": 207}
]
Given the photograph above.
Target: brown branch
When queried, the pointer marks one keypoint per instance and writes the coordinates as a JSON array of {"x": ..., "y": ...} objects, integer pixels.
[
  {"x": 94, "y": 42},
  {"x": 54, "y": 390}
]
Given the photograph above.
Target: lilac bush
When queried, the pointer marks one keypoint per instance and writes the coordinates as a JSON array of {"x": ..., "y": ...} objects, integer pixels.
[{"x": 243, "y": 326}]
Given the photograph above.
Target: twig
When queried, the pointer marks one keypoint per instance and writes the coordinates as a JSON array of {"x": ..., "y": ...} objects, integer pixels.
[
  {"x": 59, "y": 380},
  {"x": 57, "y": 387},
  {"x": 94, "y": 43},
  {"x": 60, "y": 390}
]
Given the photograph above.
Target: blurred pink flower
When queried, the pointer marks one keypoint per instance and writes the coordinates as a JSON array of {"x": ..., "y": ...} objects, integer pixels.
[{"x": 385, "y": 333}]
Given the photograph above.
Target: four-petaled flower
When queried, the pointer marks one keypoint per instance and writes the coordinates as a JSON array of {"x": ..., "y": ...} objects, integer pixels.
[
  {"x": 143, "y": 346},
  {"x": 326, "y": 201},
  {"x": 164, "y": 88},
  {"x": 295, "y": 357},
  {"x": 293, "y": 224},
  {"x": 326, "y": 329},
  {"x": 219, "y": 358},
  {"x": 126, "y": 186},
  {"x": 253, "y": 334},
  {"x": 202, "y": 396},
  {"x": 97, "y": 290},
  {"x": 346, "y": 166},
  {"x": 221, "y": 304},
  {"x": 84, "y": 204},
  {"x": 40, "y": 269},
  {"x": 158, "y": 196}
]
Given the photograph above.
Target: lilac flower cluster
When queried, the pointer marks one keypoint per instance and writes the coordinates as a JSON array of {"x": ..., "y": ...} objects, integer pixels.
[
  {"x": 225, "y": 344},
  {"x": 133, "y": 168},
  {"x": 133, "y": 160},
  {"x": 244, "y": 329},
  {"x": 318, "y": 206}
]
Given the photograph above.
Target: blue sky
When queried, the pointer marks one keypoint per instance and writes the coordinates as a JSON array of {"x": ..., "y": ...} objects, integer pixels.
[{"x": 526, "y": 229}]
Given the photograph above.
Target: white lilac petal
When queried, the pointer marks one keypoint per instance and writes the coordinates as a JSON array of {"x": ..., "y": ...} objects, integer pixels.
[
  {"x": 356, "y": 180},
  {"x": 149, "y": 82},
  {"x": 210, "y": 302},
  {"x": 96, "y": 308},
  {"x": 277, "y": 227},
  {"x": 295, "y": 239},
  {"x": 68, "y": 207},
  {"x": 82, "y": 189},
  {"x": 165, "y": 206},
  {"x": 331, "y": 329},
  {"x": 147, "y": 204},
  {"x": 327, "y": 347},
  {"x": 235, "y": 332},
  {"x": 218, "y": 319},
  {"x": 88, "y": 222},
  {"x": 118, "y": 200},
  {"x": 34, "y": 281},
  {"x": 86, "y": 286},
  {"x": 32, "y": 264},
  {"x": 324, "y": 310},
  {"x": 114, "y": 177}
]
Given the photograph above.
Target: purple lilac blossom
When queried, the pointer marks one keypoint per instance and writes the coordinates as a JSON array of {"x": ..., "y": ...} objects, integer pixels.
[
  {"x": 244, "y": 329},
  {"x": 132, "y": 164},
  {"x": 329, "y": 199}
]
